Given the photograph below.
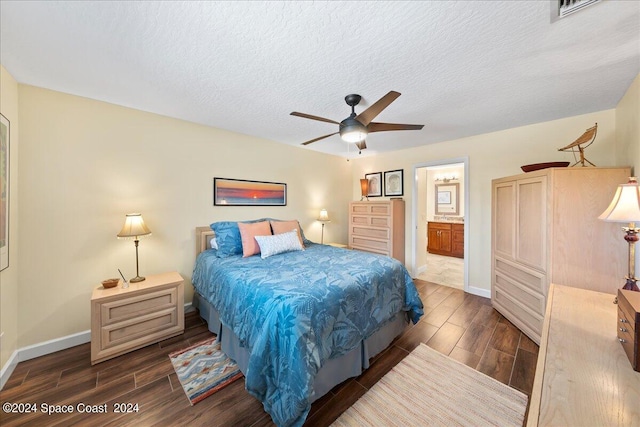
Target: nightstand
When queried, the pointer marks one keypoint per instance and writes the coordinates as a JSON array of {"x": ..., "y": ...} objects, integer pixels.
[{"x": 146, "y": 312}]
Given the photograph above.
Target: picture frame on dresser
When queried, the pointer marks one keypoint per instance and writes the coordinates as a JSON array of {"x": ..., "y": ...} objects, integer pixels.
[
  {"x": 394, "y": 183},
  {"x": 375, "y": 184}
]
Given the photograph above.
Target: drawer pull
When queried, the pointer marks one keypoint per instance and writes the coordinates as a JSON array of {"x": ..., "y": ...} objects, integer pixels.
[
  {"x": 623, "y": 321},
  {"x": 624, "y": 330},
  {"x": 622, "y": 340}
]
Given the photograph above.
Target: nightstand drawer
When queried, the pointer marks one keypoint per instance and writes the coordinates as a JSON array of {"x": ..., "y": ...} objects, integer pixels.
[
  {"x": 138, "y": 306},
  {"x": 144, "y": 328}
]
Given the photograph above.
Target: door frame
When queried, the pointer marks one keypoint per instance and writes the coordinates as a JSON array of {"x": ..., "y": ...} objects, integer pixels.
[{"x": 414, "y": 215}]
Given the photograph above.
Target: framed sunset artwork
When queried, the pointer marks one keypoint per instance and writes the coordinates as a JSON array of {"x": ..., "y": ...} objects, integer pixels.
[{"x": 240, "y": 192}]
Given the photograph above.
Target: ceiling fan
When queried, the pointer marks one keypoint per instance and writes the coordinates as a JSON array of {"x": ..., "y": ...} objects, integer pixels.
[{"x": 356, "y": 127}]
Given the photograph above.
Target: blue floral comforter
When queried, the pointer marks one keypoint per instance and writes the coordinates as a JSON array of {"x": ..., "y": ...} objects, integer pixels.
[{"x": 294, "y": 311}]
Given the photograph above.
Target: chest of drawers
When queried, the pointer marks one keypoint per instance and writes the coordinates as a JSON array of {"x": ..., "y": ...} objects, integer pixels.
[
  {"x": 377, "y": 227},
  {"x": 629, "y": 325}
]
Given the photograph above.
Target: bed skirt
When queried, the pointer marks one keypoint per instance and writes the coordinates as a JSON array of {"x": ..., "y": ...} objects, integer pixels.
[{"x": 333, "y": 372}]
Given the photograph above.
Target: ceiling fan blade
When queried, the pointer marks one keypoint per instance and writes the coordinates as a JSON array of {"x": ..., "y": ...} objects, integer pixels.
[
  {"x": 319, "y": 138},
  {"x": 381, "y": 127},
  {"x": 361, "y": 145},
  {"x": 309, "y": 116},
  {"x": 370, "y": 113}
]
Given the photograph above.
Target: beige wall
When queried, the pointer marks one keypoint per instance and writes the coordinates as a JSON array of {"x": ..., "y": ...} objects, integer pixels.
[
  {"x": 628, "y": 135},
  {"x": 493, "y": 155},
  {"x": 85, "y": 164},
  {"x": 9, "y": 276},
  {"x": 628, "y": 127}
]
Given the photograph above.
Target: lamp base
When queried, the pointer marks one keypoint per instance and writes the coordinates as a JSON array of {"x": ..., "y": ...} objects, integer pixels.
[
  {"x": 136, "y": 279},
  {"x": 631, "y": 285}
]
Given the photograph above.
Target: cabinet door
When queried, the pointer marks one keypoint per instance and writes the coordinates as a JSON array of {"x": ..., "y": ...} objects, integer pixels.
[
  {"x": 457, "y": 240},
  {"x": 504, "y": 219},
  {"x": 439, "y": 238},
  {"x": 531, "y": 222},
  {"x": 433, "y": 240}
]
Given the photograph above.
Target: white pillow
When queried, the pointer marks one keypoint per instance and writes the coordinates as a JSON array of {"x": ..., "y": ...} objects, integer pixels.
[
  {"x": 214, "y": 244},
  {"x": 279, "y": 243}
]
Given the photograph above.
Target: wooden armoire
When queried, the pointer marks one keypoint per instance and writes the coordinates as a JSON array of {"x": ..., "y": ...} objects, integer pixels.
[{"x": 545, "y": 229}]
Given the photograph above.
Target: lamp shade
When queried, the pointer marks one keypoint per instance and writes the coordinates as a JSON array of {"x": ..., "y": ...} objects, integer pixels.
[
  {"x": 364, "y": 187},
  {"x": 134, "y": 226},
  {"x": 625, "y": 206},
  {"x": 324, "y": 216}
]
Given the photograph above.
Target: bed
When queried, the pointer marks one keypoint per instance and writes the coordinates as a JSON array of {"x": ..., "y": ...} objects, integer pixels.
[{"x": 299, "y": 323}]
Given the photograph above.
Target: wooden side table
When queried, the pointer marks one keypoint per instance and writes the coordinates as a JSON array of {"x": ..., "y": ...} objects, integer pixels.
[{"x": 146, "y": 312}]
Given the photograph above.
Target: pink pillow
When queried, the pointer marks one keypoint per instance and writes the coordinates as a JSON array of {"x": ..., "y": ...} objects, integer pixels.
[
  {"x": 248, "y": 233},
  {"x": 280, "y": 227}
]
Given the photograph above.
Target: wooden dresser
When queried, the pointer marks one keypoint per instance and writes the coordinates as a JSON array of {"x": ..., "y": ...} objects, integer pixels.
[
  {"x": 445, "y": 238},
  {"x": 377, "y": 227},
  {"x": 545, "y": 229},
  {"x": 583, "y": 376}
]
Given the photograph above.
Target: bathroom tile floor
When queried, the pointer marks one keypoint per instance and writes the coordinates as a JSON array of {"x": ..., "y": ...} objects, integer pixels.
[{"x": 444, "y": 270}]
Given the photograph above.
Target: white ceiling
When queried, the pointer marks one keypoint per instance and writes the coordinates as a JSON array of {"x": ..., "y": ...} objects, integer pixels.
[{"x": 463, "y": 67}]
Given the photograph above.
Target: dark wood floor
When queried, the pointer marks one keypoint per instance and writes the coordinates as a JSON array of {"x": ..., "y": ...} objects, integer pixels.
[{"x": 460, "y": 325}]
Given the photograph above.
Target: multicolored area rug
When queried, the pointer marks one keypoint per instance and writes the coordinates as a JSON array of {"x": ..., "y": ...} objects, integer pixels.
[{"x": 204, "y": 369}]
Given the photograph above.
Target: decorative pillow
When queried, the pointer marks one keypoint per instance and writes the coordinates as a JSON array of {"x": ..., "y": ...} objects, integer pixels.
[
  {"x": 228, "y": 237},
  {"x": 280, "y": 227},
  {"x": 248, "y": 233},
  {"x": 279, "y": 243}
]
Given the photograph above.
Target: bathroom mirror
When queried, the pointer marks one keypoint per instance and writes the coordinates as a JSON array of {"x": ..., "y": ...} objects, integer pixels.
[{"x": 447, "y": 198}]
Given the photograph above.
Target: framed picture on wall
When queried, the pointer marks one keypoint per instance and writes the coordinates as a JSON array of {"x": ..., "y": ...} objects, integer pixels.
[
  {"x": 375, "y": 184},
  {"x": 394, "y": 183},
  {"x": 241, "y": 192},
  {"x": 4, "y": 191}
]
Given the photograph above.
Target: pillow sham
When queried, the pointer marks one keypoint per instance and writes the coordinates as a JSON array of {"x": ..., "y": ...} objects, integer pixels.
[
  {"x": 228, "y": 237},
  {"x": 280, "y": 227},
  {"x": 248, "y": 233},
  {"x": 279, "y": 243}
]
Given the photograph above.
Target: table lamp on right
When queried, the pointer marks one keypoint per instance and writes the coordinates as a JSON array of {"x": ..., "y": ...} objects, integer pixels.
[{"x": 625, "y": 207}]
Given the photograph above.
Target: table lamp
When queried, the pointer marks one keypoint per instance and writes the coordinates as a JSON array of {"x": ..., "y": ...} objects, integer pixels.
[
  {"x": 364, "y": 188},
  {"x": 323, "y": 218},
  {"x": 625, "y": 207},
  {"x": 134, "y": 227}
]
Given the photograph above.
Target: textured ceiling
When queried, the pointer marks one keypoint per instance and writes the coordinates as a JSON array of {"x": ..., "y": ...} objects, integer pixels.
[{"x": 463, "y": 68}]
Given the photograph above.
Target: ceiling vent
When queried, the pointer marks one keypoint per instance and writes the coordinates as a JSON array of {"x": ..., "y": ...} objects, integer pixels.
[{"x": 564, "y": 8}]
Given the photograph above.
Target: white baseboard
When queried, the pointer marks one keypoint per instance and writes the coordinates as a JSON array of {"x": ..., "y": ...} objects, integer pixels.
[
  {"x": 421, "y": 270},
  {"x": 481, "y": 292},
  {"x": 48, "y": 347},
  {"x": 8, "y": 368},
  {"x": 36, "y": 350}
]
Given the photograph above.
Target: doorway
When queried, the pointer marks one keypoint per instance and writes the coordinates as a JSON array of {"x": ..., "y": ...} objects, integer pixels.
[{"x": 440, "y": 211}]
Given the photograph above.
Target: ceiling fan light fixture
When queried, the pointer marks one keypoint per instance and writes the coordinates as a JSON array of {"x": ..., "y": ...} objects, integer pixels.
[{"x": 352, "y": 130}]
